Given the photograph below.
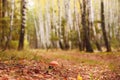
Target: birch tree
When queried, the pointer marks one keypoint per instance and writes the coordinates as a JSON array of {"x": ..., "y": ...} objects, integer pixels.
[
  {"x": 60, "y": 23},
  {"x": 4, "y": 15},
  {"x": 85, "y": 29},
  {"x": 0, "y": 22},
  {"x": 91, "y": 24},
  {"x": 11, "y": 24},
  {"x": 23, "y": 25},
  {"x": 107, "y": 44}
]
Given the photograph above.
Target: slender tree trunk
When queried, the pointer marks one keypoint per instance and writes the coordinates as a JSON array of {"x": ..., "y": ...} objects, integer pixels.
[
  {"x": 4, "y": 4},
  {"x": 107, "y": 44},
  {"x": 37, "y": 34},
  {"x": 77, "y": 25},
  {"x": 23, "y": 25},
  {"x": 85, "y": 29},
  {"x": 47, "y": 25},
  {"x": 0, "y": 22},
  {"x": 59, "y": 24},
  {"x": 81, "y": 42},
  {"x": 11, "y": 25},
  {"x": 68, "y": 23},
  {"x": 91, "y": 24}
]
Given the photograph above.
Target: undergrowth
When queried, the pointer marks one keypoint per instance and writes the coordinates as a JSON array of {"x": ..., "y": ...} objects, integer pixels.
[
  {"x": 19, "y": 55},
  {"x": 47, "y": 56}
]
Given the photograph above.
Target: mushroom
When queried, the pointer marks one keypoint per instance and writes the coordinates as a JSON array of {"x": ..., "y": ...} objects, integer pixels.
[{"x": 53, "y": 64}]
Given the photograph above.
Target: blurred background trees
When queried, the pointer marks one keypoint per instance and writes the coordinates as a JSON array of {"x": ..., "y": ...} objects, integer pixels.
[{"x": 87, "y": 25}]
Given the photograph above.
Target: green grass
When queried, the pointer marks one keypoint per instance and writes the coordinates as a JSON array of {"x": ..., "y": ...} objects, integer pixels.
[
  {"x": 19, "y": 55},
  {"x": 70, "y": 57},
  {"x": 47, "y": 56}
]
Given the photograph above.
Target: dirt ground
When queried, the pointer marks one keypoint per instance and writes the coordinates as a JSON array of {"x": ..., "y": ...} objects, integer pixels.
[{"x": 89, "y": 66}]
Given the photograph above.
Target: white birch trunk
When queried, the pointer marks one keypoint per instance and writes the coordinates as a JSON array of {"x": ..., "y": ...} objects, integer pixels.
[
  {"x": 37, "y": 32},
  {"x": 42, "y": 30},
  {"x": 9, "y": 38},
  {"x": 47, "y": 25},
  {"x": 12, "y": 16}
]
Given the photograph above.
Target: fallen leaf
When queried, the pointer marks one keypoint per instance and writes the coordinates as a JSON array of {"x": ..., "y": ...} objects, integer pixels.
[{"x": 79, "y": 77}]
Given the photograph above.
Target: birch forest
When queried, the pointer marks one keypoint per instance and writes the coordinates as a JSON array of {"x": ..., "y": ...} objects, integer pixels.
[
  {"x": 86, "y": 25},
  {"x": 79, "y": 33}
]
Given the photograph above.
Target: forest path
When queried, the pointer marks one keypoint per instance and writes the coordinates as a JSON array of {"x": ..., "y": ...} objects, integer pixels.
[
  {"x": 90, "y": 66},
  {"x": 98, "y": 65}
]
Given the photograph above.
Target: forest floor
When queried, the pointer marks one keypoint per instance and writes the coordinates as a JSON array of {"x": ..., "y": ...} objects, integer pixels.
[{"x": 73, "y": 65}]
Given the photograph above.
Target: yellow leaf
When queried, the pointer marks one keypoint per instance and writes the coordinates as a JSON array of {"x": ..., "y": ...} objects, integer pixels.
[{"x": 79, "y": 77}]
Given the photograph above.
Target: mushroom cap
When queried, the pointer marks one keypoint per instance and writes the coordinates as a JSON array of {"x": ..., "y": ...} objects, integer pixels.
[{"x": 54, "y": 63}]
